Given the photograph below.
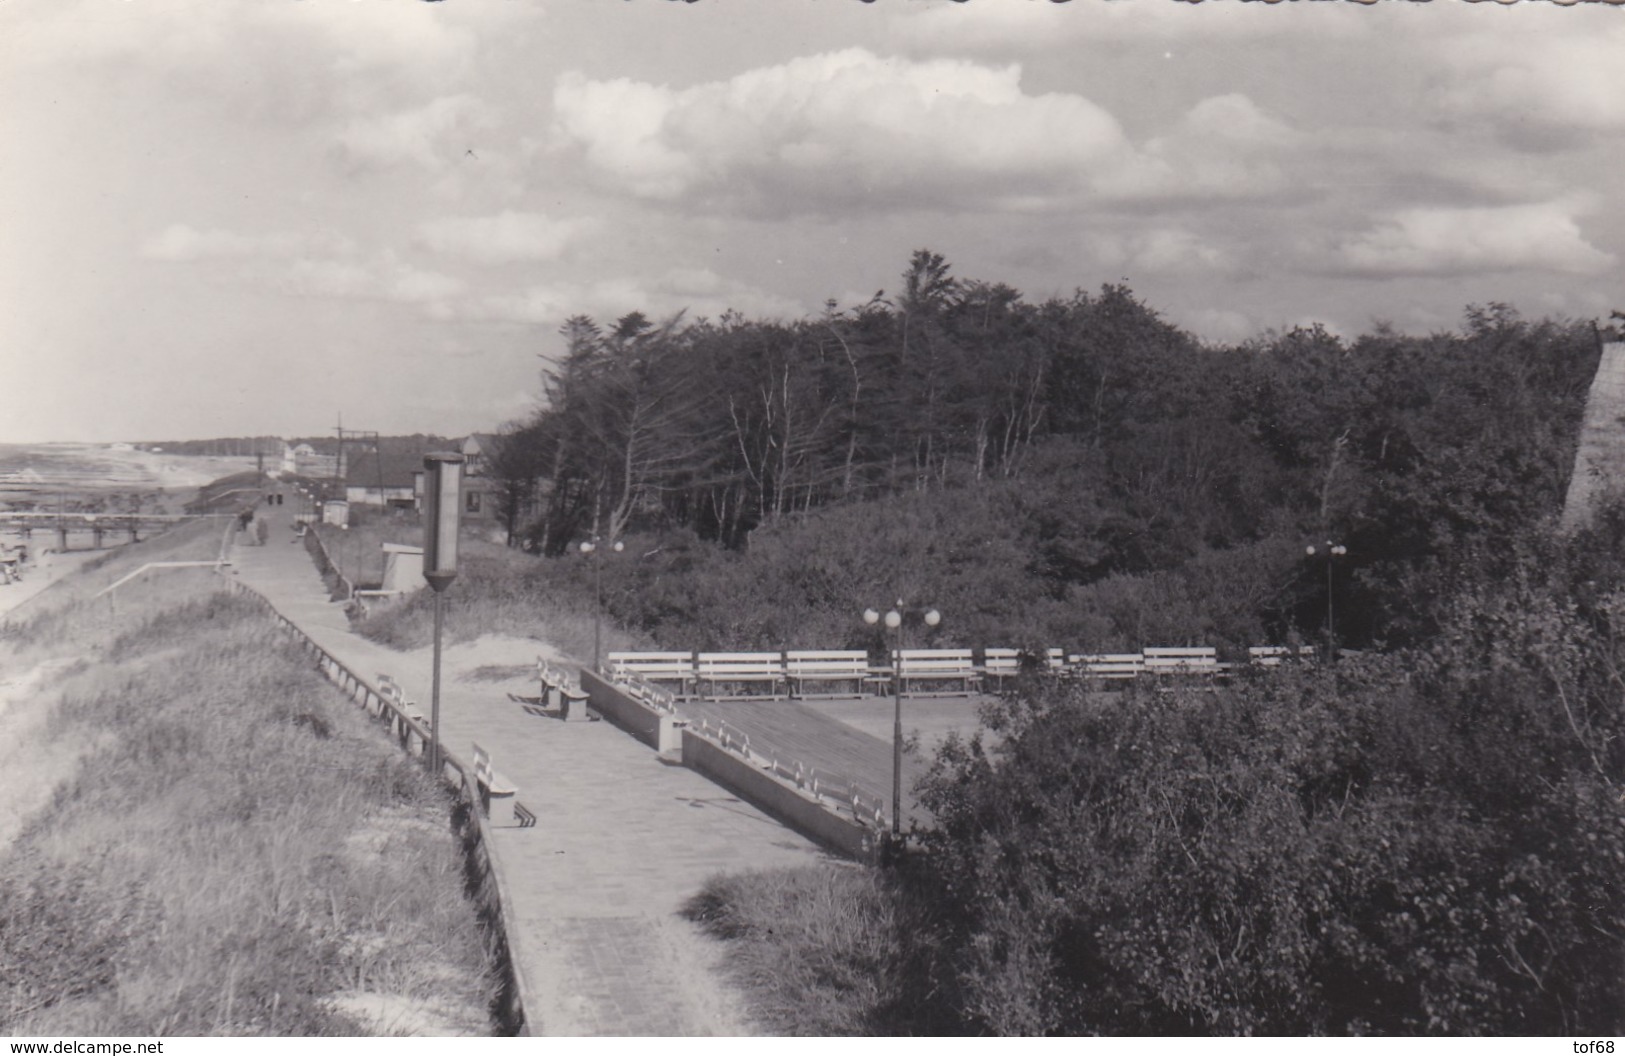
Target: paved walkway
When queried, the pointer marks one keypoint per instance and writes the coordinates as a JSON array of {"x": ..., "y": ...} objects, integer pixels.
[{"x": 622, "y": 842}]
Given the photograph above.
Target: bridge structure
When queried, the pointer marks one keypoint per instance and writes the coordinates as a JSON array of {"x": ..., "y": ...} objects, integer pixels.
[{"x": 99, "y": 526}]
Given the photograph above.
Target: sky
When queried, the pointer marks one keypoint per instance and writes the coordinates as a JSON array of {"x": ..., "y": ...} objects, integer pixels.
[{"x": 233, "y": 217}]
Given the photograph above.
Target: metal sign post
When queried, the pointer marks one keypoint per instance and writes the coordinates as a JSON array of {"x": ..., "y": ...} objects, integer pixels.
[{"x": 442, "y": 513}]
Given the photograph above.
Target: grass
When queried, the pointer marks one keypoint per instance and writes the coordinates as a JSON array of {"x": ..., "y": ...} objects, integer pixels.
[
  {"x": 499, "y": 591},
  {"x": 825, "y": 950},
  {"x": 240, "y": 852}
]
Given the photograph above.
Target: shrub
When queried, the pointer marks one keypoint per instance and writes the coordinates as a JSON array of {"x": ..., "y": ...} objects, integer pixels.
[{"x": 1365, "y": 850}]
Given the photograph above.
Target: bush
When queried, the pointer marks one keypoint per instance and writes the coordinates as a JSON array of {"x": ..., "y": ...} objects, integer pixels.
[{"x": 1415, "y": 844}]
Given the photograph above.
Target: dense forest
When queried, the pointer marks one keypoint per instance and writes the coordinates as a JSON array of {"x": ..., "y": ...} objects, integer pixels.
[{"x": 1078, "y": 472}]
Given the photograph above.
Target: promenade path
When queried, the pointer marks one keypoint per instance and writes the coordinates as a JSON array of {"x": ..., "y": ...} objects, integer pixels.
[{"x": 622, "y": 840}]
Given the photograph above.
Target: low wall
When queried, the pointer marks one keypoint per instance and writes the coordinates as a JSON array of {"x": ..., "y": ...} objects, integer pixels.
[
  {"x": 633, "y": 716},
  {"x": 802, "y": 813}
]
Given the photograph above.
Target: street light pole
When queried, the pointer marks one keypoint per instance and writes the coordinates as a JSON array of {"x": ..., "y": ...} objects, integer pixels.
[
  {"x": 591, "y": 547},
  {"x": 894, "y": 623},
  {"x": 1333, "y": 551}
]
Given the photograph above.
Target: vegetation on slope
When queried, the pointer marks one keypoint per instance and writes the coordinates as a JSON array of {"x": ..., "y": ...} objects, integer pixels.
[
  {"x": 239, "y": 851},
  {"x": 1426, "y": 842}
]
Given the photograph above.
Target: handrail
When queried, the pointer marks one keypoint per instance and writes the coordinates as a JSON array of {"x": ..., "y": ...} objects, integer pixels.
[
  {"x": 324, "y": 561},
  {"x": 337, "y": 672},
  {"x": 837, "y": 791}
]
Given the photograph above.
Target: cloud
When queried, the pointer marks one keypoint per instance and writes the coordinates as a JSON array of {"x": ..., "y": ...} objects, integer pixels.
[
  {"x": 423, "y": 136},
  {"x": 283, "y": 62},
  {"x": 383, "y": 278},
  {"x": 1162, "y": 250},
  {"x": 1019, "y": 27},
  {"x": 844, "y": 127},
  {"x": 1467, "y": 241},
  {"x": 1544, "y": 85},
  {"x": 1224, "y": 147},
  {"x": 697, "y": 292},
  {"x": 850, "y": 130},
  {"x": 506, "y": 238},
  {"x": 179, "y": 242}
]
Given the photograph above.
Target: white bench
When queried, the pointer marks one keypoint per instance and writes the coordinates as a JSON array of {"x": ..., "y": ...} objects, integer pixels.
[
  {"x": 1055, "y": 662},
  {"x": 653, "y": 667},
  {"x": 1275, "y": 655},
  {"x": 498, "y": 798},
  {"x": 764, "y": 670},
  {"x": 937, "y": 665},
  {"x": 561, "y": 690},
  {"x": 1181, "y": 660},
  {"x": 829, "y": 666},
  {"x": 1000, "y": 664},
  {"x": 1108, "y": 665}
]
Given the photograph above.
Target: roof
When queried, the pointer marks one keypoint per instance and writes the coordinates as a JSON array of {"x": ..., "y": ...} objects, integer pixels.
[{"x": 399, "y": 466}]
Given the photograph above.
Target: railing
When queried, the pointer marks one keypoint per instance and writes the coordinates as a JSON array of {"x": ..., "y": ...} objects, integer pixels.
[
  {"x": 656, "y": 696},
  {"x": 837, "y": 792},
  {"x": 325, "y": 565},
  {"x": 414, "y": 736}
]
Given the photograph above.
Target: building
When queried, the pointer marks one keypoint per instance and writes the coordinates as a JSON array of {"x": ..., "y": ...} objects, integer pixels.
[
  {"x": 305, "y": 461},
  {"x": 392, "y": 477}
]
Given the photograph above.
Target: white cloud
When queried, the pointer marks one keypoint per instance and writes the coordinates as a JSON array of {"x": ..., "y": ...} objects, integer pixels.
[
  {"x": 1223, "y": 147},
  {"x": 293, "y": 61},
  {"x": 1544, "y": 81},
  {"x": 424, "y": 136},
  {"x": 1005, "y": 27},
  {"x": 1464, "y": 241},
  {"x": 505, "y": 238},
  {"x": 851, "y": 130},
  {"x": 179, "y": 242},
  {"x": 384, "y": 278},
  {"x": 698, "y": 292},
  {"x": 849, "y": 126},
  {"x": 1161, "y": 250}
]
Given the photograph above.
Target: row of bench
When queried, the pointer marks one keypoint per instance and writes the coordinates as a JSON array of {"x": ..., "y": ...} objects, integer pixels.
[{"x": 808, "y": 673}]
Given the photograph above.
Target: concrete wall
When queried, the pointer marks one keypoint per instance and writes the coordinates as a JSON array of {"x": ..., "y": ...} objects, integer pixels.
[
  {"x": 740, "y": 776},
  {"x": 785, "y": 802},
  {"x": 633, "y": 716}
]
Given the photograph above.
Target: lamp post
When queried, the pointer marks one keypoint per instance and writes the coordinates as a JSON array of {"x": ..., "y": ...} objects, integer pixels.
[
  {"x": 894, "y": 623},
  {"x": 442, "y": 511},
  {"x": 1332, "y": 552},
  {"x": 591, "y": 546}
]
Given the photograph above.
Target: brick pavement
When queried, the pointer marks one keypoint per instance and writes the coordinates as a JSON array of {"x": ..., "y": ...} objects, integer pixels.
[{"x": 622, "y": 840}]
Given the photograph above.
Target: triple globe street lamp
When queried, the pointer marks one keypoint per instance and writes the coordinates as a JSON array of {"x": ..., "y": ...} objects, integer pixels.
[
  {"x": 894, "y": 624},
  {"x": 592, "y": 546},
  {"x": 1331, "y": 551}
]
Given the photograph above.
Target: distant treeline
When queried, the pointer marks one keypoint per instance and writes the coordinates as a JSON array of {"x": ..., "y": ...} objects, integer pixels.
[
  {"x": 1078, "y": 471},
  {"x": 271, "y": 446}
]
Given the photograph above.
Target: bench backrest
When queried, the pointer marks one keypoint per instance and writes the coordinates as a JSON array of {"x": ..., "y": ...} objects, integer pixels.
[
  {"x": 1182, "y": 658},
  {"x": 1109, "y": 665},
  {"x": 854, "y": 662},
  {"x": 935, "y": 661},
  {"x": 659, "y": 665},
  {"x": 1272, "y": 655},
  {"x": 739, "y": 665},
  {"x": 1001, "y": 661},
  {"x": 482, "y": 765}
]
